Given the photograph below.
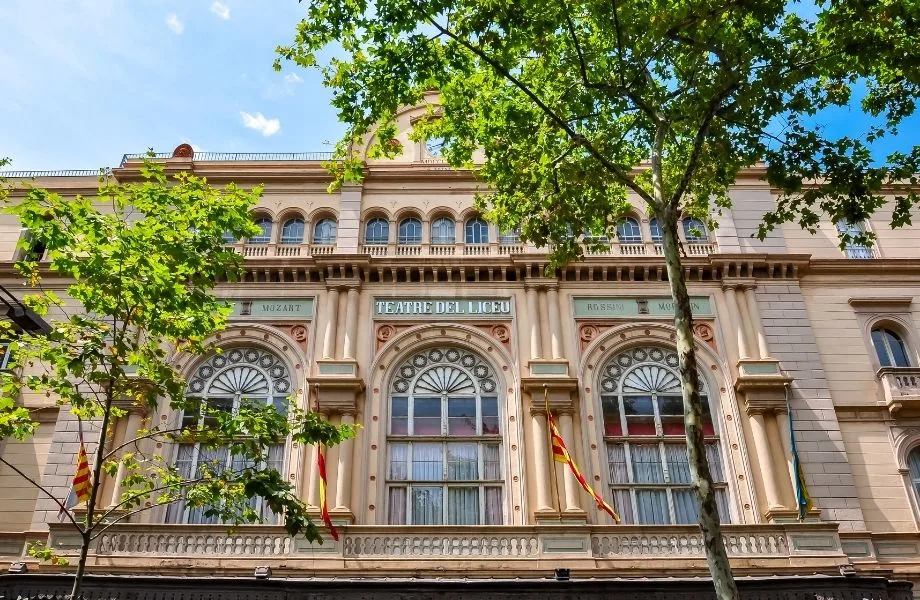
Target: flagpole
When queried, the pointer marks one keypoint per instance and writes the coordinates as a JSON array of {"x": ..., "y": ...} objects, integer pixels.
[{"x": 552, "y": 461}]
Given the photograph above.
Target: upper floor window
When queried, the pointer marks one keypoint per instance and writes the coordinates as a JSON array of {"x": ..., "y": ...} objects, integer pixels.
[
  {"x": 410, "y": 231},
  {"x": 29, "y": 249},
  {"x": 443, "y": 231},
  {"x": 509, "y": 237},
  {"x": 292, "y": 231},
  {"x": 377, "y": 231},
  {"x": 628, "y": 232},
  {"x": 324, "y": 232},
  {"x": 913, "y": 466},
  {"x": 222, "y": 383},
  {"x": 695, "y": 231},
  {"x": 444, "y": 463},
  {"x": 649, "y": 472},
  {"x": 228, "y": 237},
  {"x": 853, "y": 250},
  {"x": 265, "y": 224},
  {"x": 477, "y": 231},
  {"x": 890, "y": 348},
  {"x": 655, "y": 229}
]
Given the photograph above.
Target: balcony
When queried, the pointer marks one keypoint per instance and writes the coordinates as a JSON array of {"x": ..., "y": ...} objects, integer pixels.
[{"x": 901, "y": 386}]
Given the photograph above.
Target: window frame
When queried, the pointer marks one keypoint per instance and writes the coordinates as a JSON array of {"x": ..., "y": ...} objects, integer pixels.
[
  {"x": 326, "y": 240},
  {"x": 290, "y": 240},
  {"x": 476, "y": 227},
  {"x": 439, "y": 238},
  {"x": 377, "y": 240},
  {"x": 689, "y": 223},
  {"x": 404, "y": 238},
  {"x": 653, "y": 225},
  {"x": 632, "y": 238},
  {"x": 886, "y": 332},
  {"x": 266, "y": 236}
]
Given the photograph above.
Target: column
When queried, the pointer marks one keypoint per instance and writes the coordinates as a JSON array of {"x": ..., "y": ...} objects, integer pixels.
[
  {"x": 351, "y": 324},
  {"x": 756, "y": 323},
  {"x": 332, "y": 317},
  {"x": 735, "y": 318},
  {"x": 571, "y": 486},
  {"x": 343, "y": 475},
  {"x": 541, "y": 468},
  {"x": 765, "y": 460},
  {"x": 310, "y": 494},
  {"x": 133, "y": 425},
  {"x": 536, "y": 350},
  {"x": 555, "y": 327}
]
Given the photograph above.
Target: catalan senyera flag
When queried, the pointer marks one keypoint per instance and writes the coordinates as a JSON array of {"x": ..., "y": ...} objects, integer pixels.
[
  {"x": 561, "y": 455},
  {"x": 324, "y": 507}
]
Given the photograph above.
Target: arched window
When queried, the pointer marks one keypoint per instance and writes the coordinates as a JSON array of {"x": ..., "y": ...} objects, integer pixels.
[
  {"x": 695, "y": 231},
  {"x": 324, "y": 232},
  {"x": 222, "y": 382},
  {"x": 655, "y": 229},
  {"x": 852, "y": 249},
  {"x": 444, "y": 441},
  {"x": 265, "y": 237},
  {"x": 890, "y": 348},
  {"x": 643, "y": 410},
  {"x": 628, "y": 232},
  {"x": 229, "y": 238},
  {"x": 477, "y": 231},
  {"x": 510, "y": 237},
  {"x": 292, "y": 231},
  {"x": 913, "y": 467},
  {"x": 443, "y": 231},
  {"x": 377, "y": 231},
  {"x": 410, "y": 231}
]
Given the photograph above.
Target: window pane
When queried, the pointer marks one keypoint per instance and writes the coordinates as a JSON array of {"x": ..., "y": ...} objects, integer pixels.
[
  {"x": 640, "y": 416},
  {"x": 646, "y": 463},
  {"x": 262, "y": 238},
  {"x": 493, "y": 506},
  {"x": 622, "y": 504},
  {"x": 653, "y": 507},
  {"x": 477, "y": 232},
  {"x": 399, "y": 416},
  {"x": 878, "y": 340},
  {"x": 426, "y": 418},
  {"x": 725, "y": 515},
  {"x": 655, "y": 228},
  {"x": 678, "y": 465},
  {"x": 427, "y": 505},
  {"x": 324, "y": 232},
  {"x": 410, "y": 231},
  {"x": 694, "y": 230},
  {"x": 611, "y": 407},
  {"x": 292, "y": 231},
  {"x": 913, "y": 464},
  {"x": 489, "y": 412},
  {"x": 628, "y": 232},
  {"x": 685, "y": 511},
  {"x": 616, "y": 461},
  {"x": 461, "y": 416},
  {"x": 397, "y": 506},
  {"x": 442, "y": 231},
  {"x": 462, "y": 462},
  {"x": 399, "y": 462},
  {"x": 491, "y": 464},
  {"x": 898, "y": 353},
  {"x": 671, "y": 409},
  {"x": 714, "y": 458},
  {"x": 462, "y": 506},
  {"x": 427, "y": 461},
  {"x": 377, "y": 231}
]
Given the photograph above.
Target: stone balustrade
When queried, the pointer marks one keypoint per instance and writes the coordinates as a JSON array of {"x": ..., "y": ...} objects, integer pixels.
[{"x": 901, "y": 387}]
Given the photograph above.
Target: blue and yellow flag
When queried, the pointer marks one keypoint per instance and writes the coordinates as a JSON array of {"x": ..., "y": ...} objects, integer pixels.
[{"x": 802, "y": 499}]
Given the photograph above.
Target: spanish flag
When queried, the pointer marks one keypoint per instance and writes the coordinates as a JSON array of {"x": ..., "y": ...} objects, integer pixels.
[
  {"x": 561, "y": 455},
  {"x": 324, "y": 507}
]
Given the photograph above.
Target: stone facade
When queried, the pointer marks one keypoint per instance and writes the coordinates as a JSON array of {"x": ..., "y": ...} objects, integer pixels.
[{"x": 429, "y": 313}]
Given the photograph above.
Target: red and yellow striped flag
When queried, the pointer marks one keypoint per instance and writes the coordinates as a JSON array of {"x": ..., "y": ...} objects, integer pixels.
[
  {"x": 324, "y": 507},
  {"x": 81, "y": 479},
  {"x": 561, "y": 455}
]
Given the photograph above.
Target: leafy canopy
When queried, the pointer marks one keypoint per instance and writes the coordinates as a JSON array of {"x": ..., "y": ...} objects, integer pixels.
[{"x": 572, "y": 102}]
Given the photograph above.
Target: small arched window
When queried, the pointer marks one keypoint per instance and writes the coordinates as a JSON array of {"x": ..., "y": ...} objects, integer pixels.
[
  {"x": 410, "y": 231},
  {"x": 477, "y": 231},
  {"x": 324, "y": 232},
  {"x": 377, "y": 231},
  {"x": 628, "y": 232},
  {"x": 443, "y": 231},
  {"x": 292, "y": 231},
  {"x": 262, "y": 238},
  {"x": 852, "y": 249},
  {"x": 913, "y": 466},
  {"x": 695, "y": 231},
  {"x": 890, "y": 348},
  {"x": 655, "y": 229}
]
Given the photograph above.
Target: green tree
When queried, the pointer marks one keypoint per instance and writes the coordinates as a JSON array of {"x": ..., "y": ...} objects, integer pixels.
[
  {"x": 578, "y": 104},
  {"x": 143, "y": 259}
]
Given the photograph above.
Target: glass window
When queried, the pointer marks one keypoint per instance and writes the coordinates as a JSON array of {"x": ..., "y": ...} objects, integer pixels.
[
  {"x": 324, "y": 232},
  {"x": 655, "y": 229},
  {"x": 292, "y": 231},
  {"x": 265, "y": 237},
  {"x": 628, "y": 232},
  {"x": 443, "y": 231},
  {"x": 222, "y": 383},
  {"x": 913, "y": 465},
  {"x": 477, "y": 231},
  {"x": 510, "y": 237},
  {"x": 377, "y": 231},
  {"x": 410, "y": 231},
  {"x": 853, "y": 250},
  {"x": 695, "y": 231},
  {"x": 229, "y": 238},
  {"x": 444, "y": 442},
  {"x": 648, "y": 469},
  {"x": 890, "y": 348}
]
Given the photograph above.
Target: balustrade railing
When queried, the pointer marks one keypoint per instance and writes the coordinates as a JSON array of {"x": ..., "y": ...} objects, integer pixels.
[{"x": 901, "y": 386}]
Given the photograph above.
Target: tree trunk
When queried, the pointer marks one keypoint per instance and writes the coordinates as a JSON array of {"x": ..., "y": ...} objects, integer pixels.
[
  {"x": 700, "y": 477},
  {"x": 81, "y": 566}
]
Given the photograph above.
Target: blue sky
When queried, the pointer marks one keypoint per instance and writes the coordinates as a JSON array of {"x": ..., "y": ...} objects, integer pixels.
[{"x": 85, "y": 81}]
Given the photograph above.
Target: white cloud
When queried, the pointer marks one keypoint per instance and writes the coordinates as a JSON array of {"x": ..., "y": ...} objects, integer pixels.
[
  {"x": 220, "y": 9},
  {"x": 292, "y": 78},
  {"x": 267, "y": 127},
  {"x": 174, "y": 24}
]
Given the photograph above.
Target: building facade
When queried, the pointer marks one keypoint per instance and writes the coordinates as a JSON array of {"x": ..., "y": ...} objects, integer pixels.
[{"x": 394, "y": 305}]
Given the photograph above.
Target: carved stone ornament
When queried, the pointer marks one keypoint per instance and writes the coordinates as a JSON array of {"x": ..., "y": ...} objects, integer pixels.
[
  {"x": 385, "y": 332},
  {"x": 588, "y": 333},
  {"x": 299, "y": 333},
  {"x": 705, "y": 332},
  {"x": 183, "y": 151},
  {"x": 501, "y": 333}
]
